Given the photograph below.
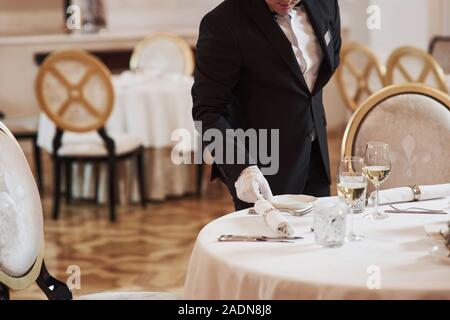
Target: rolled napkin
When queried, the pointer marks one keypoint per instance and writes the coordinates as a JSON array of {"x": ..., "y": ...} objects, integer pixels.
[
  {"x": 406, "y": 194},
  {"x": 273, "y": 218}
]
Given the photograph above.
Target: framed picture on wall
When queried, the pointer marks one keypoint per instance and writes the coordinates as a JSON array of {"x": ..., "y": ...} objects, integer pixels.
[{"x": 85, "y": 16}]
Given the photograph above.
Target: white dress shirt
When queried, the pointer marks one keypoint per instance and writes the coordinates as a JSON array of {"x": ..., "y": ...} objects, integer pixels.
[{"x": 297, "y": 28}]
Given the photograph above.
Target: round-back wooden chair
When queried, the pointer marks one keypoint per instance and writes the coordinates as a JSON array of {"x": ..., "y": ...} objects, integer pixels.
[
  {"x": 359, "y": 75},
  {"x": 162, "y": 52},
  {"x": 75, "y": 91},
  {"x": 413, "y": 65},
  {"x": 22, "y": 233},
  {"x": 415, "y": 121},
  {"x": 440, "y": 50}
]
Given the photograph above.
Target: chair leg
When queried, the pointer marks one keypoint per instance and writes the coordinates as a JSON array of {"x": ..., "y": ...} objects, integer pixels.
[
  {"x": 199, "y": 179},
  {"x": 96, "y": 181},
  {"x": 56, "y": 186},
  {"x": 112, "y": 187},
  {"x": 52, "y": 288},
  {"x": 38, "y": 164},
  {"x": 68, "y": 176},
  {"x": 4, "y": 292},
  {"x": 141, "y": 177}
]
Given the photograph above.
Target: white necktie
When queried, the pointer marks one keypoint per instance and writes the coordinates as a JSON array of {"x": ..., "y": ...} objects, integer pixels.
[{"x": 285, "y": 22}]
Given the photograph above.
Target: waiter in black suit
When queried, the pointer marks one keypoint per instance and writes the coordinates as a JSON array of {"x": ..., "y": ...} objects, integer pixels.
[{"x": 262, "y": 64}]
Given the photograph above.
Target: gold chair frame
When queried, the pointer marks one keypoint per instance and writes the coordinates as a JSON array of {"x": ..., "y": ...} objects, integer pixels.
[
  {"x": 372, "y": 102},
  {"x": 361, "y": 78},
  {"x": 189, "y": 61},
  {"x": 75, "y": 91},
  {"x": 429, "y": 65},
  {"x": 38, "y": 273}
]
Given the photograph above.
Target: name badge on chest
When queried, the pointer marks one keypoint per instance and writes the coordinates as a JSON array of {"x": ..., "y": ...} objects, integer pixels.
[{"x": 327, "y": 37}]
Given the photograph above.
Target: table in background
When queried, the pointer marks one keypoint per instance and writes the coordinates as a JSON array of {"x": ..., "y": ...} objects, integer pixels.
[
  {"x": 150, "y": 107},
  {"x": 396, "y": 247}
]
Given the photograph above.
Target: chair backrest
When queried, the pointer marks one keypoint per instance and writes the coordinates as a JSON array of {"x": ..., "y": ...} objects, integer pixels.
[
  {"x": 166, "y": 53},
  {"x": 359, "y": 75},
  {"x": 415, "y": 121},
  {"x": 21, "y": 220},
  {"x": 75, "y": 90},
  {"x": 440, "y": 51},
  {"x": 413, "y": 65}
]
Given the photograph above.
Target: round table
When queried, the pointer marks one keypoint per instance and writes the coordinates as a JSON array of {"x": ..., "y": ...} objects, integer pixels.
[{"x": 393, "y": 262}]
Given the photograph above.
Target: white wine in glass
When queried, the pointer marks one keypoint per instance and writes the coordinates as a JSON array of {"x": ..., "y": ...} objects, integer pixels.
[
  {"x": 377, "y": 174},
  {"x": 351, "y": 186},
  {"x": 351, "y": 191},
  {"x": 377, "y": 169}
]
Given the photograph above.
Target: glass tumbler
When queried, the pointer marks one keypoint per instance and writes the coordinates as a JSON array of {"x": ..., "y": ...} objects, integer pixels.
[{"x": 330, "y": 217}]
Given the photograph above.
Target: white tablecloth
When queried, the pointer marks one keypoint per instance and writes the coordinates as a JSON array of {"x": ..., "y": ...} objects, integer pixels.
[
  {"x": 150, "y": 107},
  {"x": 396, "y": 247}
]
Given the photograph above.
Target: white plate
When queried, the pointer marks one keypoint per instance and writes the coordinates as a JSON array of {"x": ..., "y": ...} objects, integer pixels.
[
  {"x": 441, "y": 253},
  {"x": 293, "y": 201},
  {"x": 433, "y": 230}
]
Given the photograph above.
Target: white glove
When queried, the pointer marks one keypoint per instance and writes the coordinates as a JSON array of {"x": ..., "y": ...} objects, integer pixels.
[{"x": 251, "y": 185}]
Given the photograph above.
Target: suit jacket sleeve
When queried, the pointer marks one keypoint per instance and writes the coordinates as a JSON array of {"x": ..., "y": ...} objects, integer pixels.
[
  {"x": 337, "y": 36},
  {"x": 218, "y": 67}
]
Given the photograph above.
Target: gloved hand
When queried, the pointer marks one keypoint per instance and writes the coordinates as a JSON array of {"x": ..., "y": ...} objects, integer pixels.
[{"x": 252, "y": 186}]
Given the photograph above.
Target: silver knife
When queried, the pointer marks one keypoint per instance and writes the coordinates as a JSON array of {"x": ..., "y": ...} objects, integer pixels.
[
  {"x": 415, "y": 212},
  {"x": 237, "y": 238}
]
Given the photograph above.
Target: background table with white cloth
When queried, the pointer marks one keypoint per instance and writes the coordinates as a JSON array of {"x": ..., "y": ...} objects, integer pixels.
[
  {"x": 149, "y": 106},
  {"x": 396, "y": 251}
]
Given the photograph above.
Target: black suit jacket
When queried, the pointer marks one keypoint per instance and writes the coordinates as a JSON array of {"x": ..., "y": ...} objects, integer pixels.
[{"x": 247, "y": 76}]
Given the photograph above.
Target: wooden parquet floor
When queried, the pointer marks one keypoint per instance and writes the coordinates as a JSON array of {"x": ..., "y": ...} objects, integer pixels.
[{"x": 146, "y": 250}]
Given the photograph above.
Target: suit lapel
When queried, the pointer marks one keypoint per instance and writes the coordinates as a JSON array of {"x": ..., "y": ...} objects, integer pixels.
[{"x": 262, "y": 16}]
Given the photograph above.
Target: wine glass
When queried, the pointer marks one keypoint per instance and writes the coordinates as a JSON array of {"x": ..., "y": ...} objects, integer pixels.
[
  {"x": 351, "y": 185},
  {"x": 377, "y": 169}
]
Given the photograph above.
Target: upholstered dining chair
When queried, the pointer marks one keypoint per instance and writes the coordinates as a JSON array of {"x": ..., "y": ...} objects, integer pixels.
[
  {"x": 413, "y": 65},
  {"x": 415, "y": 121},
  {"x": 440, "y": 50},
  {"x": 22, "y": 233},
  {"x": 359, "y": 75},
  {"x": 75, "y": 91},
  {"x": 167, "y": 53}
]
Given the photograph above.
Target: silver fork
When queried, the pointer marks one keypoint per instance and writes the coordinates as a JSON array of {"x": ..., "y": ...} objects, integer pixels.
[
  {"x": 293, "y": 212},
  {"x": 417, "y": 210}
]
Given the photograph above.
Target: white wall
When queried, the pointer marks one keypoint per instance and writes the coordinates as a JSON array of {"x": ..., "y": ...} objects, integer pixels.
[
  {"x": 411, "y": 22},
  {"x": 25, "y": 18},
  {"x": 142, "y": 14},
  {"x": 31, "y": 17},
  {"x": 46, "y": 16}
]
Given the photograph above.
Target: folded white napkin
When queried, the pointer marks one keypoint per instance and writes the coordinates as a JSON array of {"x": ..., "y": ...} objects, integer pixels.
[
  {"x": 405, "y": 194},
  {"x": 273, "y": 218}
]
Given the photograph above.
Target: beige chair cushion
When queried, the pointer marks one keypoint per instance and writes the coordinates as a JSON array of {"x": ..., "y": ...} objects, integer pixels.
[
  {"x": 417, "y": 129},
  {"x": 92, "y": 144},
  {"x": 131, "y": 296},
  {"x": 21, "y": 224}
]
